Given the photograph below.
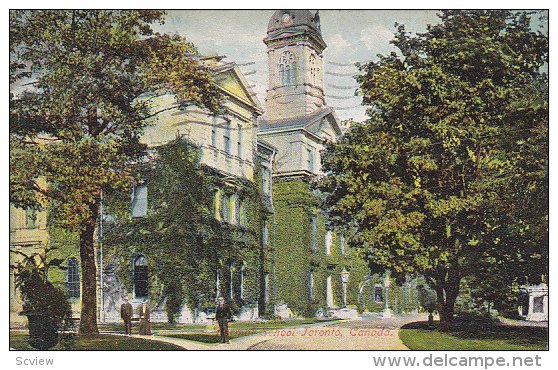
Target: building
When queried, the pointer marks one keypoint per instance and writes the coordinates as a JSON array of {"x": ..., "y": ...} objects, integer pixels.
[{"x": 309, "y": 257}]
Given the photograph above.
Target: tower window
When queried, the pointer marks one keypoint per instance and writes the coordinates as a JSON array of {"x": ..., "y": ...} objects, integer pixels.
[
  {"x": 287, "y": 67},
  {"x": 312, "y": 68}
]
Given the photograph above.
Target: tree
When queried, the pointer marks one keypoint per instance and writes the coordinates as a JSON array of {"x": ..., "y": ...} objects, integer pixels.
[
  {"x": 444, "y": 177},
  {"x": 82, "y": 82}
]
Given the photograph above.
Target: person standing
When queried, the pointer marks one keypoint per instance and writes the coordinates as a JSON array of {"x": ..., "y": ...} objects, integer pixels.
[
  {"x": 145, "y": 319},
  {"x": 126, "y": 315},
  {"x": 223, "y": 315}
]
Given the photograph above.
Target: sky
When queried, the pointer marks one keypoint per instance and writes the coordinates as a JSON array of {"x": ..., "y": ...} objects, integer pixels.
[{"x": 351, "y": 36}]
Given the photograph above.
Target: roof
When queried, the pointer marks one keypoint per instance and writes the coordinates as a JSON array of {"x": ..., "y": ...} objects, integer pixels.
[
  {"x": 299, "y": 122},
  {"x": 298, "y": 21}
]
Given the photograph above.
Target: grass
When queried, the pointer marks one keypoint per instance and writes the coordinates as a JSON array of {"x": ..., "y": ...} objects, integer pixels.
[
  {"x": 465, "y": 336},
  {"x": 103, "y": 342},
  {"x": 210, "y": 333}
]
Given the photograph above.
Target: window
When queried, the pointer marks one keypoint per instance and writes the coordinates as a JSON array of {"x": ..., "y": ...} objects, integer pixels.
[
  {"x": 312, "y": 68},
  {"x": 328, "y": 242},
  {"x": 239, "y": 143},
  {"x": 311, "y": 284},
  {"x": 378, "y": 294},
  {"x": 266, "y": 180},
  {"x": 266, "y": 288},
  {"x": 287, "y": 66},
  {"x": 242, "y": 268},
  {"x": 140, "y": 277},
  {"x": 72, "y": 278},
  {"x": 310, "y": 159},
  {"x": 314, "y": 225},
  {"x": 226, "y": 208},
  {"x": 265, "y": 233},
  {"x": 214, "y": 132},
  {"x": 227, "y": 137},
  {"x": 139, "y": 201},
  {"x": 237, "y": 211},
  {"x": 30, "y": 218}
]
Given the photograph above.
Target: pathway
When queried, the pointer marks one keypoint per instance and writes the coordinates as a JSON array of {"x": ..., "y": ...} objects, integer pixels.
[{"x": 368, "y": 333}]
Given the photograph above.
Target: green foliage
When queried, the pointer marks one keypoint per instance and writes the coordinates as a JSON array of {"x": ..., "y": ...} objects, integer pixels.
[
  {"x": 184, "y": 244},
  {"x": 46, "y": 306},
  {"x": 449, "y": 176},
  {"x": 75, "y": 129},
  {"x": 295, "y": 203}
]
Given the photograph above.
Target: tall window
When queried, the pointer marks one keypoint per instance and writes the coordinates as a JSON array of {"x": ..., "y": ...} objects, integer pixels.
[
  {"x": 227, "y": 137},
  {"x": 72, "y": 278},
  {"x": 214, "y": 132},
  {"x": 342, "y": 244},
  {"x": 30, "y": 218},
  {"x": 239, "y": 142},
  {"x": 328, "y": 242},
  {"x": 139, "y": 201},
  {"x": 287, "y": 67},
  {"x": 141, "y": 282},
  {"x": 312, "y": 68},
  {"x": 226, "y": 208},
  {"x": 265, "y": 233},
  {"x": 311, "y": 284},
  {"x": 266, "y": 180},
  {"x": 237, "y": 211},
  {"x": 310, "y": 159},
  {"x": 314, "y": 225}
]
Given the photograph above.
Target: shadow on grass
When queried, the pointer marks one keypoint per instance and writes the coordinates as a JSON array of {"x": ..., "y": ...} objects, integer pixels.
[
  {"x": 103, "y": 342},
  {"x": 478, "y": 330}
]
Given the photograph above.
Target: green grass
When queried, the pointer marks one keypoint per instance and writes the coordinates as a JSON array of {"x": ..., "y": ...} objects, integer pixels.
[
  {"x": 418, "y": 336},
  {"x": 103, "y": 342},
  {"x": 210, "y": 334}
]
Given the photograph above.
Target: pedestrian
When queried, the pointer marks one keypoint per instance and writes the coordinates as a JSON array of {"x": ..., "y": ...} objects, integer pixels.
[
  {"x": 145, "y": 319},
  {"x": 223, "y": 315},
  {"x": 126, "y": 315}
]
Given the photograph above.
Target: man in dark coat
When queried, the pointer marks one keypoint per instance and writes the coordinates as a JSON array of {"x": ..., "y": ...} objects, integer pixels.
[
  {"x": 223, "y": 315},
  {"x": 126, "y": 314}
]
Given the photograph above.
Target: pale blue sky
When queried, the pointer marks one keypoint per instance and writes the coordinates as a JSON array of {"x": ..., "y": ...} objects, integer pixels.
[{"x": 351, "y": 36}]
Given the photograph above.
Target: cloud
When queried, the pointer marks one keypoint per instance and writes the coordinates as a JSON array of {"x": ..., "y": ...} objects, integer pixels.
[
  {"x": 337, "y": 42},
  {"x": 376, "y": 38}
]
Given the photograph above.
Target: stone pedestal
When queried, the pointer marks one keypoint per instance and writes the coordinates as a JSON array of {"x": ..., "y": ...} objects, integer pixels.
[{"x": 538, "y": 303}]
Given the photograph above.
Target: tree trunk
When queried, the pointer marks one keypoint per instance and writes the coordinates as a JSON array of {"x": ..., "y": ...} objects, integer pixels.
[
  {"x": 447, "y": 290},
  {"x": 88, "y": 319}
]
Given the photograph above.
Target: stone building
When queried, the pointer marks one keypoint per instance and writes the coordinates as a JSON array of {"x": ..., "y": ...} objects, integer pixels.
[{"x": 309, "y": 256}]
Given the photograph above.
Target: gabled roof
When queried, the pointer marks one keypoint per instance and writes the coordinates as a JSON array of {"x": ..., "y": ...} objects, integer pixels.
[
  {"x": 300, "y": 122},
  {"x": 231, "y": 80}
]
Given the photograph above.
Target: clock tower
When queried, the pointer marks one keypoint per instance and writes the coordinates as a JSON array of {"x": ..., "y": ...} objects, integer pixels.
[{"x": 295, "y": 47}]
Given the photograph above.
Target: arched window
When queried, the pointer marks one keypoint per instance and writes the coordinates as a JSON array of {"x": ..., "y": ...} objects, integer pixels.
[
  {"x": 72, "y": 278},
  {"x": 312, "y": 68},
  {"x": 287, "y": 67},
  {"x": 141, "y": 286}
]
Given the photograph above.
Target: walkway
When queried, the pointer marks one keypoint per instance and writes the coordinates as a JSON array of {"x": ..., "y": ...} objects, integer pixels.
[{"x": 368, "y": 333}]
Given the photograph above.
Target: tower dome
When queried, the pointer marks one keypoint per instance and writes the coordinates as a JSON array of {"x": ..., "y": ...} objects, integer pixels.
[{"x": 296, "y": 22}]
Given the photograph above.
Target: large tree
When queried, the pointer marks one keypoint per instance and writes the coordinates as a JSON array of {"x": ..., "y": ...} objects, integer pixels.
[
  {"x": 448, "y": 177},
  {"x": 81, "y": 87}
]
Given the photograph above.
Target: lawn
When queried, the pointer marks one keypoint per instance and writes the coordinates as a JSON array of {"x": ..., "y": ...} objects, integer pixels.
[
  {"x": 103, "y": 342},
  {"x": 418, "y": 336},
  {"x": 210, "y": 333}
]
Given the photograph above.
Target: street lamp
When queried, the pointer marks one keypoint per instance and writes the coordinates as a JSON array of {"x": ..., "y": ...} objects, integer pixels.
[{"x": 345, "y": 280}]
